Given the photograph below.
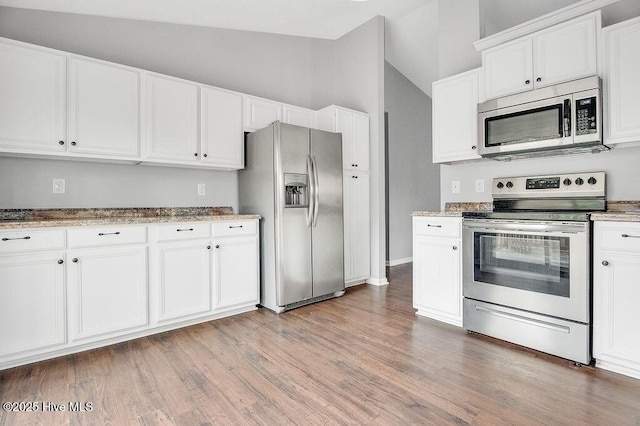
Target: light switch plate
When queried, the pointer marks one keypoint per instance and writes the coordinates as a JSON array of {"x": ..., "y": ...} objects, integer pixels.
[
  {"x": 455, "y": 186},
  {"x": 202, "y": 190}
]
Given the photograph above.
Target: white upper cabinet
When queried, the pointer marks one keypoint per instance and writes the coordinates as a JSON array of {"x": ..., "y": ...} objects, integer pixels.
[
  {"x": 508, "y": 68},
  {"x": 104, "y": 109},
  {"x": 455, "y": 118},
  {"x": 354, "y": 127},
  {"x": 32, "y": 99},
  {"x": 298, "y": 116},
  {"x": 221, "y": 121},
  {"x": 560, "y": 53},
  {"x": 622, "y": 82},
  {"x": 172, "y": 119},
  {"x": 259, "y": 113}
]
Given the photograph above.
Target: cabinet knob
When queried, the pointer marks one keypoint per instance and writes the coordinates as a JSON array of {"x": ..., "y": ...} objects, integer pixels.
[
  {"x": 73, "y": 143},
  {"x": 217, "y": 245},
  {"x": 74, "y": 260},
  {"x": 455, "y": 247},
  {"x": 204, "y": 155},
  {"x": 60, "y": 261},
  {"x": 473, "y": 147},
  {"x": 538, "y": 79},
  {"x": 208, "y": 247},
  {"x": 605, "y": 263},
  {"x": 195, "y": 155},
  {"x": 61, "y": 143},
  {"x": 527, "y": 82}
]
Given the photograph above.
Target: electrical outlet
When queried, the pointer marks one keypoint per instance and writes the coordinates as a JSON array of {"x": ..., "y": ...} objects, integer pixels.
[
  {"x": 455, "y": 186},
  {"x": 58, "y": 186},
  {"x": 479, "y": 185},
  {"x": 202, "y": 190}
]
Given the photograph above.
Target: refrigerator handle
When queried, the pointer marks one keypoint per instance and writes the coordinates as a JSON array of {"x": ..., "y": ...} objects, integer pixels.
[
  {"x": 316, "y": 191},
  {"x": 311, "y": 199}
]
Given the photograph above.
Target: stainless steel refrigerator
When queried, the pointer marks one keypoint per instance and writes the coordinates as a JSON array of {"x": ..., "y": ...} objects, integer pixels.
[{"x": 293, "y": 179}]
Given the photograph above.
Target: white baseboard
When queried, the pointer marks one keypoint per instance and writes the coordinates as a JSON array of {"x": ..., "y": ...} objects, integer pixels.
[
  {"x": 402, "y": 261},
  {"x": 378, "y": 281}
]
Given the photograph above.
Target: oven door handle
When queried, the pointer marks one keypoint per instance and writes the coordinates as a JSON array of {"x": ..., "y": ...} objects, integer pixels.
[{"x": 567, "y": 228}]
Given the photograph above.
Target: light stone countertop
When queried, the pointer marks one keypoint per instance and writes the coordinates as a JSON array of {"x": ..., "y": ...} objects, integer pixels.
[{"x": 615, "y": 217}]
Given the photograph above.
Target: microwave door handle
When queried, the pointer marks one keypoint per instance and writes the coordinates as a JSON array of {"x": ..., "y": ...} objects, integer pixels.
[{"x": 567, "y": 118}]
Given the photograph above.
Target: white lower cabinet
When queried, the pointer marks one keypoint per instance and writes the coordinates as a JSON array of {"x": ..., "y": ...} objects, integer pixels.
[
  {"x": 616, "y": 341},
  {"x": 437, "y": 268},
  {"x": 108, "y": 291},
  {"x": 64, "y": 290},
  {"x": 236, "y": 276},
  {"x": 357, "y": 262},
  {"x": 32, "y": 304}
]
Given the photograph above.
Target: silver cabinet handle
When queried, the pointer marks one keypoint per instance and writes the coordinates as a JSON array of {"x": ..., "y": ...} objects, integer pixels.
[
  {"x": 19, "y": 238},
  {"x": 433, "y": 226},
  {"x": 102, "y": 234},
  {"x": 238, "y": 226},
  {"x": 605, "y": 263},
  {"x": 184, "y": 230},
  {"x": 629, "y": 236}
]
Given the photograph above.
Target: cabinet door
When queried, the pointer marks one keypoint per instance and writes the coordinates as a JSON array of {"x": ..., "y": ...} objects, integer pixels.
[
  {"x": 508, "y": 68},
  {"x": 32, "y": 303},
  {"x": 357, "y": 237},
  {"x": 354, "y": 127},
  {"x": 32, "y": 100},
  {"x": 108, "y": 291},
  {"x": 104, "y": 109},
  {"x": 565, "y": 52},
  {"x": 621, "y": 82},
  {"x": 222, "y": 135},
  {"x": 297, "y": 116},
  {"x": 184, "y": 279},
  {"x": 437, "y": 279},
  {"x": 259, "y": 113},
  {"x": 616, "y": 316},
  {"x": 172, "y": 119},
  {"x": 236, "y": 279},
  {"x": 455, "y": 118}
]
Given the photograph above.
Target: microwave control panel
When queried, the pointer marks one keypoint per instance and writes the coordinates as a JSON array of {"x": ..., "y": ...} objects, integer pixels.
[{"x": 586, "y": 116}]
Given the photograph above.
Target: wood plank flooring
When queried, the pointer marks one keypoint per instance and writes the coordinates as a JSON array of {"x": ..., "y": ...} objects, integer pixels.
[{"x": 362, "y": 359}]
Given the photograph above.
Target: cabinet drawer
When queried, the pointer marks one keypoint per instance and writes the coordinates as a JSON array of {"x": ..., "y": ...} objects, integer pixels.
[
  {"x": 437, "y": 226},
  {"x": 183, "y": 231},
  {"x": 621, "y": 236},
  {"x": 106, "y": 236},
  {"x": 227, "y": 229},
  {"x": 31, "y": 240}
]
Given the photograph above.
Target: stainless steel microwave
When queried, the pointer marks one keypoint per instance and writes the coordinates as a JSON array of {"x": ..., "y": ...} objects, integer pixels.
[{"x": 565, "y": 118}]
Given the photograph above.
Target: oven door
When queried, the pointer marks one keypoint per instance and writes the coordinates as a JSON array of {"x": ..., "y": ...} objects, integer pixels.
[
  {"x": 531, "y": 126},
  {"x": 535, "y": 266}
]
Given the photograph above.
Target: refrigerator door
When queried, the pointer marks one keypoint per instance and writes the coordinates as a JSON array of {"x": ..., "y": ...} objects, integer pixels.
[
  {"x": 327, "y": 230},
  {"x": 293, "y": 245}
]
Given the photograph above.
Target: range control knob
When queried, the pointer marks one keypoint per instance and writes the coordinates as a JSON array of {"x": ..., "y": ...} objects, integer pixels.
[
  {"x": 509, "y": 185},
  {"x": 500, "y": 185},
  {"x": 579, "y": 181},
  {"x": 592, "y": 180},
  {"x": 567, "y": 182}
]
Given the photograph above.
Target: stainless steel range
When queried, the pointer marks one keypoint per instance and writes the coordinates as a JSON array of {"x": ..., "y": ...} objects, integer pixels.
[{"x": 526, "y": 265}]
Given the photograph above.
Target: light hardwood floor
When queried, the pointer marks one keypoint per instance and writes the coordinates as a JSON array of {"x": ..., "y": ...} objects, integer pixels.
[{"x": 362, "y": 359}]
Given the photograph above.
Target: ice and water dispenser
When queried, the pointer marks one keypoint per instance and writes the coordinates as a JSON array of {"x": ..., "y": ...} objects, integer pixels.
[{"x": 296, "y": 190}]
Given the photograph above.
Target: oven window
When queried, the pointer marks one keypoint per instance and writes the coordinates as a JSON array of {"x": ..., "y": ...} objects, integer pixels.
[
  {"x": 528, "y": 262},
  {"x": 527, "y": 126}
]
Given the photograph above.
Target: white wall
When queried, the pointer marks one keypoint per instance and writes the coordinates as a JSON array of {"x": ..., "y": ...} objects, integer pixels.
[
  {"x": 458, "y": 28},
  {"x": 413, "y": 181}
]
